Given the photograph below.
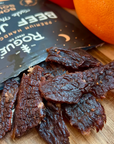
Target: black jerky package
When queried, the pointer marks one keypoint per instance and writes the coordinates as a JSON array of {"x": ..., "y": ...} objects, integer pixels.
[{"x": 28, "y": 27}]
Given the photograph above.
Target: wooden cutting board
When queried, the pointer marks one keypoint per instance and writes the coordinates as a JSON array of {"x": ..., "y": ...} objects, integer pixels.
[{"x": 105, "y": 54}]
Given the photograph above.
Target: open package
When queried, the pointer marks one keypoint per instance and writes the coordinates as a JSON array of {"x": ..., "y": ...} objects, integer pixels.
[
  {"x": 28, "y": 27},
  {"x": 64, "y": 83}
]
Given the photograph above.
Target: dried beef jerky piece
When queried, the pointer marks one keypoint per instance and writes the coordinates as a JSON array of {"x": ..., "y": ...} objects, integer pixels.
[
  {"x": 7, "y": 101},
  {"x": 65, "y": 89},
  {"x": 53, "y": 129},
  {"x": 35, "y": 72},
  {"x": 29, "y": 109},
  {"x": 72, "y": 59},
  {"x": 103, "y": 78},
  {"x": 53, "y": 68},
  {"x": 89, "y": 60},
  {"x": 70, "y": 87},
  {"x": 86, "y": 114}
]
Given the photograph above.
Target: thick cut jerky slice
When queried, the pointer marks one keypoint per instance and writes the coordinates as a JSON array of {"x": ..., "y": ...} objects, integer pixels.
[
  {"x": 86, "y": 114},
  {"x": 53, "y": 129},
  {"x": 7, "y": 101},
  {"x": 30, "y": 108},
  {"x": 70, "y": 87},
  {"x": 72, "y": 59}
]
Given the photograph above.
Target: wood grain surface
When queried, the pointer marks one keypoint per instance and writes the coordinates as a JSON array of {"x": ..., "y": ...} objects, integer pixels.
[{"x": 105, "y": 54}]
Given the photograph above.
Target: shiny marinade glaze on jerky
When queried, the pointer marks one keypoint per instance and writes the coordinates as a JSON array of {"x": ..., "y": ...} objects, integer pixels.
[
  {"x": 87, "y": 114},
  {"x": 30, "y": 109},
  {"x": 53, "y": 129},
  {"x": 7, "y": 101},
  {"x": 72, "y": 59},
  {"x": 70, "y": 87}
]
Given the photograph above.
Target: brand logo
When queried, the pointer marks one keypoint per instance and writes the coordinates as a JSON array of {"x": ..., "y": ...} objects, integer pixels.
[{"x": 28, "y": 2}]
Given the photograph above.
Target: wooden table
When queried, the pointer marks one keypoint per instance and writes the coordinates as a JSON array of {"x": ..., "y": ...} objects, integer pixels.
[{"x": 105, "y": 54}]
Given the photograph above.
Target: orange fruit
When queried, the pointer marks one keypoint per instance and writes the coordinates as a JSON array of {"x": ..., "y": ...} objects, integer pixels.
[{"x": 98, "y": 17}]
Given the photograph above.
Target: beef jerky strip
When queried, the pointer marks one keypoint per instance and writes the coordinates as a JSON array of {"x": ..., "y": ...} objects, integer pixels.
[
  {"x": 53, "y": 68},
  {"x": 103, "y": 78},
  {"x": 38, "y": 72},
  {"x": 86, "y": 114},
  {"x": 35, "y": 72},
  {"x": 7, "y": 101},
  {"x": 30, "y": 108},
  {"x": 72, "y": 59},
  {"x": 70, "y": 87},
  {"x": 53, "y": 129}
]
